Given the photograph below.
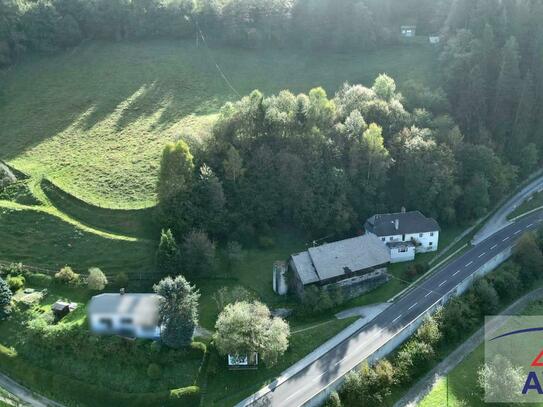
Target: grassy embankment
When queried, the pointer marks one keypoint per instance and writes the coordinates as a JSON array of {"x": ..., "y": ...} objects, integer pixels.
[{"x": 536, "y": 201}]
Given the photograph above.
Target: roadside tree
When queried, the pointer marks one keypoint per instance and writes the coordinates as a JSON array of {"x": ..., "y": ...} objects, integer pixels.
[{"x": 244, "y": 327}]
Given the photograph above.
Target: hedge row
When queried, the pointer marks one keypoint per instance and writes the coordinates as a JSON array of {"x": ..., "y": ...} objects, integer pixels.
[{"x": 88, "y": 394}]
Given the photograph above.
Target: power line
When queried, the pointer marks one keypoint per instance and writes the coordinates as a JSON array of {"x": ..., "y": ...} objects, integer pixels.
[{"x": 208, "y": 50}]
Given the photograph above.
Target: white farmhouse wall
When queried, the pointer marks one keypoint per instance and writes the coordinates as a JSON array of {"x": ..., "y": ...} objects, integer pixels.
[
  {"x": 396, "y": 256},
  {"x": 118, "y": 325},
  {"x": 428, "y": 240}
]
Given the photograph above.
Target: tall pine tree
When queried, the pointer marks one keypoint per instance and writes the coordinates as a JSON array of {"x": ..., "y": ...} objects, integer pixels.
[{"x": 507, "y": 92}]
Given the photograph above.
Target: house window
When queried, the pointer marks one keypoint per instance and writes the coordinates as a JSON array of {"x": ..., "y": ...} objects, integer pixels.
[
  {"x": 431, "y": 243},
  {"x": 383, "y": 239},
  {"x": 421, "y": 234},
  {"x": 403, "y": 249},
  {"x": 107, "y": 322},
  {"x": 126, "y": 320},
  {"x": 431, "y": 233},
  {"x": 390, "y": 238}
]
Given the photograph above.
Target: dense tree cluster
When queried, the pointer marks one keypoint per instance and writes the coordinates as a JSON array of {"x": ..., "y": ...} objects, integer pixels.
[
  {"x": 491, "y": 64},
  {"x": 325, "y": 164},
  {"x": 48, "y": 25}
]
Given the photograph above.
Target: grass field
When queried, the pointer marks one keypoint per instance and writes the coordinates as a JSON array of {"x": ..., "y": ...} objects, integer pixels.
[{"x": 94, "y": 120}]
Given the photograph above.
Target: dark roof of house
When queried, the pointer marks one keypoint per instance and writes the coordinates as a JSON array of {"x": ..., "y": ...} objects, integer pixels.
[
  {"x": 408, "y": 222},
  {"x": 60, "y": 306},
  {"x": 335, "y": 259}
]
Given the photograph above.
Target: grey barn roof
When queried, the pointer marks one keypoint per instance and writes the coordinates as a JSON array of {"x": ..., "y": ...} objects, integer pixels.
[
  {"x": 340, "y": 258},
  {"x": 408, "y": 222}
]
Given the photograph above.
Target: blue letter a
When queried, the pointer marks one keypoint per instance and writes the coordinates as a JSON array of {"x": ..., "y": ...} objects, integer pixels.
[{"x": 532, "y": 377}]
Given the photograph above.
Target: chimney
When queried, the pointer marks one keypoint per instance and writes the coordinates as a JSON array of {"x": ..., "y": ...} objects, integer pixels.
[
  {"x": 403, "y": 209},
  {"x": 397, "y": 224},
  {"x": 121, "y": 291}
]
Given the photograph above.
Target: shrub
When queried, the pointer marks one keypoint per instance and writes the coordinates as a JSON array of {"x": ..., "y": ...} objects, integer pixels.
[
  {"x": 96, "y": 280},
  {"x": 42, "y": 280},
  {"x": 333, "y": 400},
  {"x": 15, "y": 283},
  {"x": 67, "y": 276},
  {"x": 167, "y": 255},
  {"x": 199, "y": 347},
  {"x": 198, "y": 253},
  {"x": 266, "y": 242},
  {"x": 155, "y": 347},
  {"x": 154, "y": 371},
  {"x": 185, "y": 395},
  {"x": 13, "y": 269},
  {"x": 121, "y": 280},
  {"x": 230, "y": 295}
]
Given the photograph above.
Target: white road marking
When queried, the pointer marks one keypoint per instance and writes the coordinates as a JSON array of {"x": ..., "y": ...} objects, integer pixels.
[
  {"x": 530, "y": 225},
  {"x": 412, "y": 306},
  {"x": 398, "y": 317},
  {"x": 469, "y": 264},
  {"x": 456, "y": 272},
  {"x": 517, "y": 232},
  {"x": 482, "y": 254},
  {"x": 505, "y": 238},
  {"x": 429, "y": 292},
  {"x": 493, "y": 247},
  {"x": 443, "y": 282}
]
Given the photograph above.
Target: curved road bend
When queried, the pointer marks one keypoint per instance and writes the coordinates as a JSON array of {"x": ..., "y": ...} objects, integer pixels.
[{"x": 332, "y": 365}]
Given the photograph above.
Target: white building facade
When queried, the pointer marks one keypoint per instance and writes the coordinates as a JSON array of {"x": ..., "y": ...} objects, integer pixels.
[
  {"x": 405, "y": 233},
  {"x": 130, "y": 315}
]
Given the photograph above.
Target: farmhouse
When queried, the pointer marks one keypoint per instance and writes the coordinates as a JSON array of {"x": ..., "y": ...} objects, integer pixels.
[
  {"x": 404, "y": 233},
  {"x": 356, "y": 265},
  {"x": 131, "y": 315}
]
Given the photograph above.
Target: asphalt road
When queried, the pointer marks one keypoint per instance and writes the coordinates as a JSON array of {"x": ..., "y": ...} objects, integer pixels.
[
  {"x": 331, "y": 366},
  {"x": 499, "y": 219}
]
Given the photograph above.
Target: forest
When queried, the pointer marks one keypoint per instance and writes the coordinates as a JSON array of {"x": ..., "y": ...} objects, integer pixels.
[{"x": 327, "y": 162}]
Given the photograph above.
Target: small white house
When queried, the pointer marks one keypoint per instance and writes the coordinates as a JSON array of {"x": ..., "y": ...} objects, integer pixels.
[
  {"x": 434, "y": 39},
  {"x": 408, "y": 31},
  {"x": 130, "y": 315},
  {"x": 405, "y": 233}
]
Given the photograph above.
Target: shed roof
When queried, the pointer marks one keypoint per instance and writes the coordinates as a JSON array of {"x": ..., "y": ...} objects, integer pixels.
[
  {"x": 60, "y": 306},
  {"x": 304, "y": 267},
  {"x": 408, "y": 222}
]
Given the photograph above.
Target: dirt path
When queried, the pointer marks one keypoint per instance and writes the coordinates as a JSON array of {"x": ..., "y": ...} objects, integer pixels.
[
  {"x": 425, "y": 385},
  {"x": 26, "y": 395}
]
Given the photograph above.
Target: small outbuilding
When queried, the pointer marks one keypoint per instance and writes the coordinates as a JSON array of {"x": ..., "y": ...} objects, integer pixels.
[
  {"x": 60, "y": 309},
  {"x": 238, "y": 362}
]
